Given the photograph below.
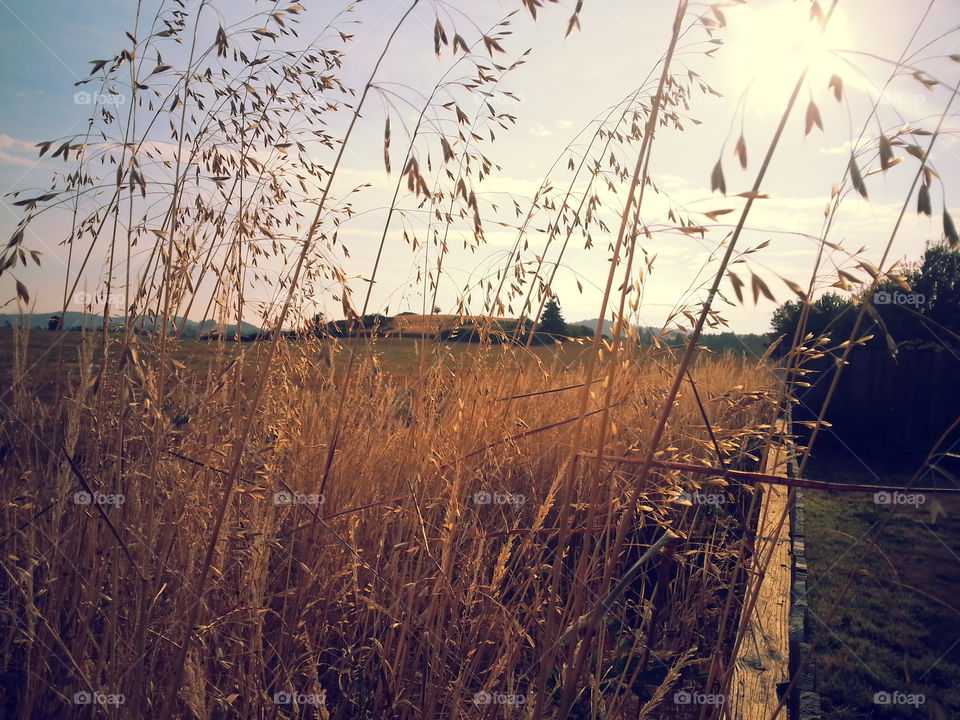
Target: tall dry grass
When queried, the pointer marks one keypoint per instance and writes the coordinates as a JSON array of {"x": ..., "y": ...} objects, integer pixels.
[{"x": 399, "y": 592}]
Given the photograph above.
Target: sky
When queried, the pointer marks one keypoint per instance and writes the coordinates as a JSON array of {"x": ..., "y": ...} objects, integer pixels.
[{"x": 564, "y": 83}]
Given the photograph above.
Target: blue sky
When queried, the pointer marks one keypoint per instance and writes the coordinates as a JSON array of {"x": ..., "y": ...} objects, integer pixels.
[{"x": 565, "y": 82}]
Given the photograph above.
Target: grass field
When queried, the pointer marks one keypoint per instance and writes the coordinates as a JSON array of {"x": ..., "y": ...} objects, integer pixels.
[
  {"x": 394, "y": 508},
  {"x": 896, "y": 629},
  {"x": 44, "y": 350}
]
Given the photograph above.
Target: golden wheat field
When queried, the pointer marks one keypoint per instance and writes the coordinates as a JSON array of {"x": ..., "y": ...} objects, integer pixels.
[{"x": 397, "y": 532}]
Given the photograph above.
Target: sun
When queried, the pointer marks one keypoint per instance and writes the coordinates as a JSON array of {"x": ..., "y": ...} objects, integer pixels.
[{"x": 769, "y": 43}]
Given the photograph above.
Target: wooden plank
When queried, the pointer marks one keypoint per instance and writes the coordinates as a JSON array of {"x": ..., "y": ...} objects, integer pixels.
[{"x": 763, "y": 656}]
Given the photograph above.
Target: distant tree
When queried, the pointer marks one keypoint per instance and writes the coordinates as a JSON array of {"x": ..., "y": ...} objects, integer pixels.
[
  {"x": 747, "y": 344},
  {"x": 938, "y": 280},
  {"x": 376, "y": 321},
  {"x": 54, "y": 322},
  {"x": 832, "y": 314},
  {"x": 551, "y": 321},
  {"x": 579, "y": 331},
  {"x": 935, "y": 285},
  {"x": 436, "y": 309},
  {"x": 320, "y": 324}
]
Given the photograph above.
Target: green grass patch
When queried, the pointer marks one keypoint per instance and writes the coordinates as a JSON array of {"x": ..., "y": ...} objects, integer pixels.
[{"x": 898, "y": 627}]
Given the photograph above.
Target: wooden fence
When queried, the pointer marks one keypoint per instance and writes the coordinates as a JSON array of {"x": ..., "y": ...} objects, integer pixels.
[{"x": 884, "y": 404}]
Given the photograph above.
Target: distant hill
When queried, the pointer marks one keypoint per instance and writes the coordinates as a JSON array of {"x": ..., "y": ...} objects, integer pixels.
[
  {"x": 430, "y": 324},
  {"x": 76, "y": 320},
  {"x": 208, "y": 326},
  {"x": 592, "y": 324},
  {"x": 425, "y": 324}
]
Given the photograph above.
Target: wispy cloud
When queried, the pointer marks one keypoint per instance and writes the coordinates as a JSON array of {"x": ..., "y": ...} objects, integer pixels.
[
  {"x": 8, "y": 159},
  {"x": 12, "y": 150},
  {"x": 9, "y": 143}
]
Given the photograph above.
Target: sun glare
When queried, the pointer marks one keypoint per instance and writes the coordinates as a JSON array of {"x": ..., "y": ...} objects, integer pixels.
[{"x": 769, "y": 44}]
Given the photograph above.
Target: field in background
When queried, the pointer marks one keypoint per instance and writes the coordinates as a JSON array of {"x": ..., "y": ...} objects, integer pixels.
[{"x": 44, "y": 350}]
